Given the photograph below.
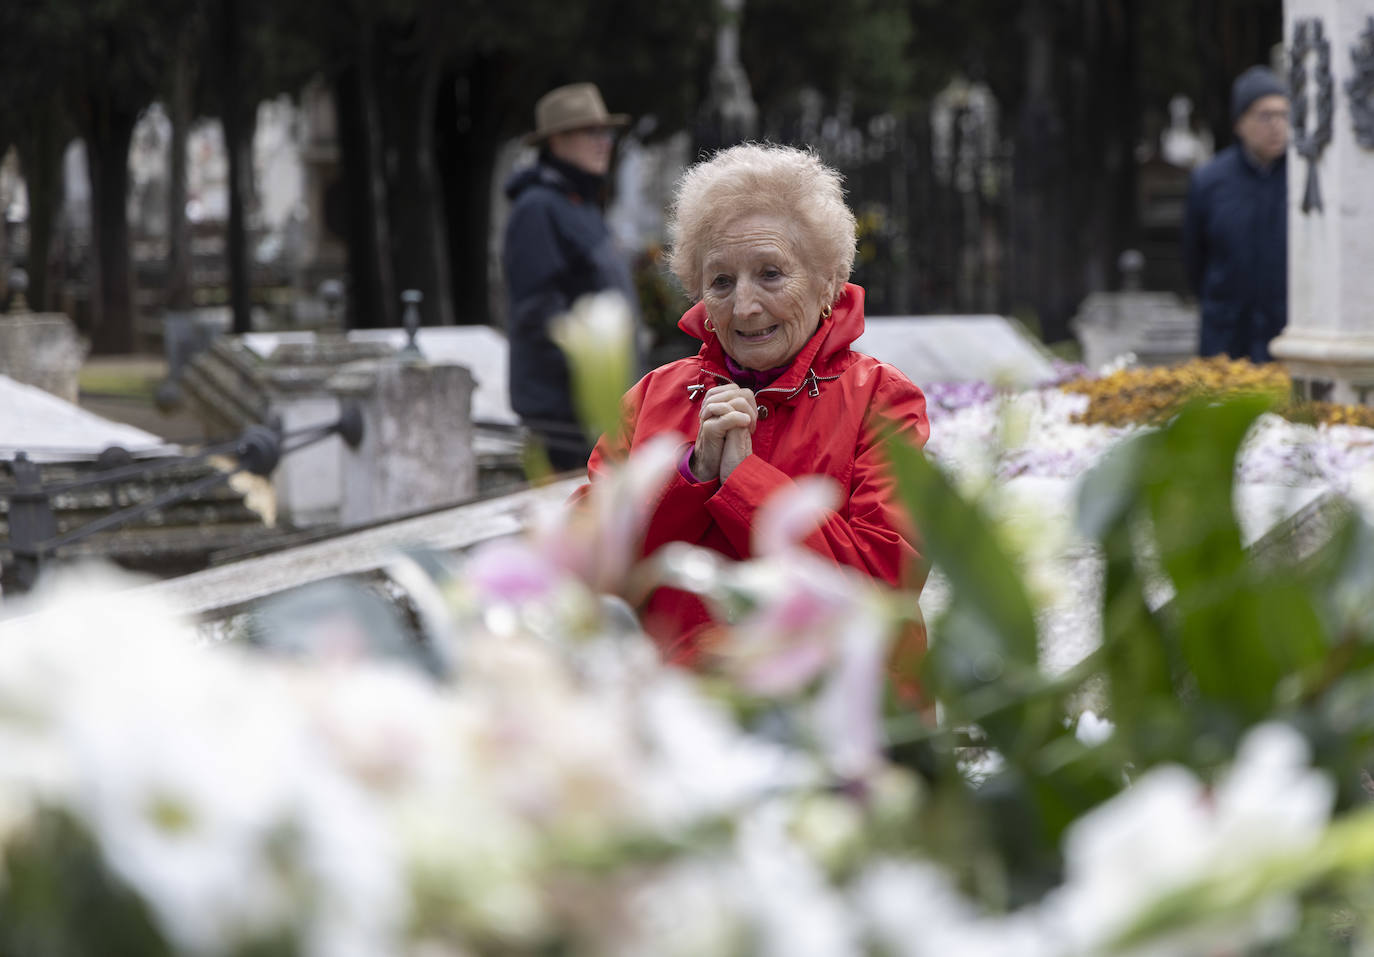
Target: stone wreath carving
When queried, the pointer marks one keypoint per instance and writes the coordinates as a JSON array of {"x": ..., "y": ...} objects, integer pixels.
[
  {"x": 1360, "y": 87},
  {"x": 1309, "y": 38}
]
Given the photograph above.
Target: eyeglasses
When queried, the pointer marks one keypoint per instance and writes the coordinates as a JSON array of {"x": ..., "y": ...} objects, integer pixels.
[{"x": 1272, "y": 117}]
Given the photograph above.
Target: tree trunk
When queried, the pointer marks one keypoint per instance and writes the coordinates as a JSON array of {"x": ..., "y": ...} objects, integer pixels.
[
  {"x": 1040, "y": 159},
  {"x": 1126, "y": 131},
  {"x": 379, "y": 220},
  {"x": 41, "y": 157},
  {"x": 372, "y": 293},
  {"x": 1230, "y": 37},
  {"x": 468, "y": 129},
  {"x": 238, "y": 143},
  {"x": 409, "y": 79},
  {"x": 179, "y": 276},
  {"x": 108, "y": 132},
  {"x": 363, "y": 300},
  {"x": 1104, "y": 131}
]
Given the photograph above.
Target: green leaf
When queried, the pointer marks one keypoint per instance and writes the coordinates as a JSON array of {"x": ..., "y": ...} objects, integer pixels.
[
  {"x": 957, "y": 537},
  {"x": 1240, "y": 631},
  {"x": 1136, "y": 650},
  {"x": 58, "y": 897},
  {"x": 987, "y": 636},
  {"x": 1340, "y": 573},
  {"x": 1111, "y": 490}
]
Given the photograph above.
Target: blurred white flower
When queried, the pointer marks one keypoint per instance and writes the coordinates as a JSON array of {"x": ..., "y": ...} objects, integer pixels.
[
  {"x": 912, "y": 910},
  {"x": 598, "y": 338},
  {"x": 1167, "y": 832},
  {"x": 1270, "y": 799},
  {"x": 185, "y": 810},
  {"x": 474, "y": 868},
  {"x": 599, "y": 326},
  {"x": 699, "y": 765},
  {"x": 848, "y": 709},
  {"x": 686, "y": 909},
  {"x": 196, "y": 775},
  {"x": 792, "y": 908},
  {"x": 1092, "y": 730},
  {"x": 830, "y": 827}
]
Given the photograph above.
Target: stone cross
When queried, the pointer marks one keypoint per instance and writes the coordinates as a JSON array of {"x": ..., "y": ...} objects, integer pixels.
[{"x": 1328, "y": 346}]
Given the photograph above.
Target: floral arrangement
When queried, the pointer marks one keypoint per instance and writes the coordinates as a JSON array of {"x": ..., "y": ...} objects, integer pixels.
[
  {"x": 546, "y": 785},
  {"x": 985, "y": 436},
  {"x": 1152, "y": 395}
]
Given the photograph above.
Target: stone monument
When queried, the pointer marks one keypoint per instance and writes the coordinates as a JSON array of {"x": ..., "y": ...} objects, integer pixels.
[
  {"x": 417, "y": 448},
  {"x": 232, "y": 385},
  {"x": 1157, "y": 328},
  {"x": 1328, "y": 345},
  {"x": 966, "y": 348},
  {"x": 41, "y": 349},
  {"x": 731, "y": 103},
  {"x": 287, "y": 378}
]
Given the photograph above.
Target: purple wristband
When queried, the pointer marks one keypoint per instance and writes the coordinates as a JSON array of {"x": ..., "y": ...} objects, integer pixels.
[{"x": 684, "y": 466}]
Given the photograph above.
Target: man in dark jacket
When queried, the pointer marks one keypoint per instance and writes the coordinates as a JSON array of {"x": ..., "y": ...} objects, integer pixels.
[
  {"x": 1235, "y": 234},
  {"x": 558, "y": 248}
]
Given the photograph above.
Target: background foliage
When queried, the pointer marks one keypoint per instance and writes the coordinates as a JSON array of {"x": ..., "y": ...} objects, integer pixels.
[{"x": 427, "y": 91}]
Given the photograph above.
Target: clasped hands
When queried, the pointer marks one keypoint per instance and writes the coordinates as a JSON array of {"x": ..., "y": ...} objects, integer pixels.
[{"x": 729, "y": 414}]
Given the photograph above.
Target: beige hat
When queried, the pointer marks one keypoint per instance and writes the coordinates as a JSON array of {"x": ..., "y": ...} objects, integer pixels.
[{"x": 576, "y": 106}]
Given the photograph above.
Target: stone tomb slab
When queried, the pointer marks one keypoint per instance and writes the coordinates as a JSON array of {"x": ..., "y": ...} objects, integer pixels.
[
  {"x": 51, "y": 429},
  {"x": 227, "y": 589},
  {"x": 482, "y": 349},
  {"x": 929, "y": 349}
]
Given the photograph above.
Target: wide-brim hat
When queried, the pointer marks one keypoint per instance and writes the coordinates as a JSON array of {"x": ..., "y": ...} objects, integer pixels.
[{"x": 577, "y": 106}]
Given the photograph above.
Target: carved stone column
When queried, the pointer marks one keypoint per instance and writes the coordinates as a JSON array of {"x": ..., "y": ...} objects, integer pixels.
[{"x": 1328, "y": 345}]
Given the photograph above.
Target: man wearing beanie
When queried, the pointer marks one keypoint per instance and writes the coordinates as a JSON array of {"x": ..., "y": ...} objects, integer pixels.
[
  {"x": 1235, "y": 232},
  {"x": 557, "y": 249}
]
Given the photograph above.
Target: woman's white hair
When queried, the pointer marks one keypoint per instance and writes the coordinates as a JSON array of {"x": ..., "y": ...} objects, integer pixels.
[{"x": 755, "y": 178}]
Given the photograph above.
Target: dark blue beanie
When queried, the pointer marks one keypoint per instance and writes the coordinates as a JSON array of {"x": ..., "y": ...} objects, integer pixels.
[{"x": 1254, "y": 83}]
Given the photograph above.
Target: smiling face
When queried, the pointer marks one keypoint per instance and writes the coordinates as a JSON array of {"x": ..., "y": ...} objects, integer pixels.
[{"x": 758, "y": 292}]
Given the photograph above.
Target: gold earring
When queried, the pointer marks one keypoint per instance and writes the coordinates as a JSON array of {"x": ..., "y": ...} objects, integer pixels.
[
  {"x": 825, "y": 313},
  {"x": 710, "y": 326}
]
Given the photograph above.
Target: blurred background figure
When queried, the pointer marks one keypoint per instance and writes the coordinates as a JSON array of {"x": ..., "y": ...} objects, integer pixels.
[
  {"x": 1235, "y": 232},
  {"x": 557, "y": 248}
]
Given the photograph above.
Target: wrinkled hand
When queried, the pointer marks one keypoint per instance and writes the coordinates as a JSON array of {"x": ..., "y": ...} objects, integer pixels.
[
  {"x": 728, "y": 417},
  {"x": 739, "y": 445}
]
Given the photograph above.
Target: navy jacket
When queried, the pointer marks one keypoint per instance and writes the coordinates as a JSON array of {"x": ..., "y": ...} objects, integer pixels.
[
  {"x": 557, "y": 248},
  {"x": 1235, "y": 247}
]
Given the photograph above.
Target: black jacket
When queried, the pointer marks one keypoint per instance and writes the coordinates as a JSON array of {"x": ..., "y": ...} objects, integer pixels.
[
  {"x": 1235, "y": 246},
  {"x": 557, "y": 248}
]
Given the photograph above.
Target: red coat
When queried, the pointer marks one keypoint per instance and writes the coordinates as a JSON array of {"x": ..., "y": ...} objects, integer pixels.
[{"x": 821, "y": 416}]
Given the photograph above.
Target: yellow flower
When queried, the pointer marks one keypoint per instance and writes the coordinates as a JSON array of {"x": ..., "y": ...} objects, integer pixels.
[{"x": 1154, "y": 395}]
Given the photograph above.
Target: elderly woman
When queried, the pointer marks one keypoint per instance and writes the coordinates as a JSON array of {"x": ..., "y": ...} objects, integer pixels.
[{"x": 764, "y": 242}]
